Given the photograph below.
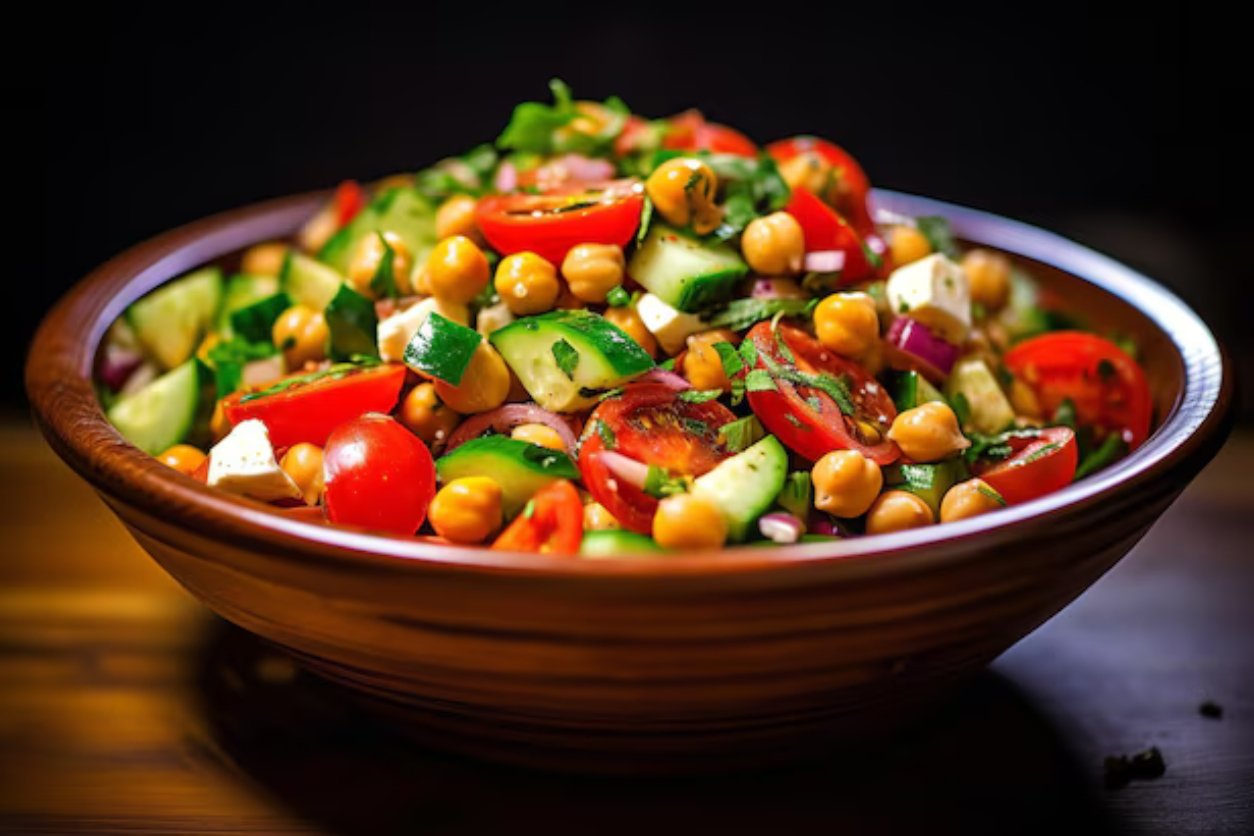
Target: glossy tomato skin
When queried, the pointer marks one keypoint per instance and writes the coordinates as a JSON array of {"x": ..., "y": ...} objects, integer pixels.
[
  {"x": 1107, "y": 387},
  {"x": 554, "y": 524},
  {"x": 378, "y": 475},
  {"x": 824, "y": 230},
  {"x": 349, "y": 199},
  {"x": 789, "y": 413},
  {"x": 309, "y": 412},
  {"x": 650, "y": 424},
  {"x": 514, "y": 223},
  {"x": 1034, "y": 469},
  {"x": 690, "y": 132},
  {"x": 854, "y": 186}
]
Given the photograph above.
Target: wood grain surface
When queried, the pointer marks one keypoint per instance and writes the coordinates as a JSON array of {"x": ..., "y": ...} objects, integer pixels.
[{"x": 125, "y": 706}]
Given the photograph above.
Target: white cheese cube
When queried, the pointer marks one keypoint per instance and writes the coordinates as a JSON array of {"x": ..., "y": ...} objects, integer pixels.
[
  {"x": 935, "y": 292},
  {"x": 395, "y": 332},
  {"x": 493, "y": 318},
  {"x": 671, "y": 327},
  {"x": 244, "y": 463}
]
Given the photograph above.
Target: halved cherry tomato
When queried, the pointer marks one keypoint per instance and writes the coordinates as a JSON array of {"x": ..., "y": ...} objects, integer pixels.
[
  {"x": 689, "y": 131},
  {"x": 552, "y": 523},
  {"x": 349, "y": 200},
  {"x": 309, "y": 407},
  {"x": 824, "y": 230},
  {"x": 378, "y": 475},
  {"x": 650, "y": 424},
  {"x": 550, "y": 225},
  {"x": 1040, "y": 464},
  {"x": 1107, "y": 387},
  {"x": 851, "y": 188},
  {"x": 807, "y": 420},
  {"x": 636, "y": 135}
]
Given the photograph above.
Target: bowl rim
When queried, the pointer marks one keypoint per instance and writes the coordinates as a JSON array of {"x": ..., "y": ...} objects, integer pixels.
[{"x": 59, "y": 384}]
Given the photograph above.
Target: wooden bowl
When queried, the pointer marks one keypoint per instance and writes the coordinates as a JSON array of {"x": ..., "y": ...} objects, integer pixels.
[{"x": 694, "y": 661}]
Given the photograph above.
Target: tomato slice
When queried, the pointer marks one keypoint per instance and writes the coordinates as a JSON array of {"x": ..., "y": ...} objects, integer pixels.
[
  {"x": 551, "y": 524},
  {"x": 349, "y": 200},
  {"x": 807, "y": 419},
  {"x": 307, "y": 407},
  {"x": 824, "y": 230},
  {"x": 378, "y": 475},
  {"x": 650, "y": 424},
  {"x": 1107, "y": 387},
  {"x": 690, "y": 132},
  {"x": 551, "y": 224},
  {"x": 1041, "y": 463},
  {"x": 852, "y": 187}
]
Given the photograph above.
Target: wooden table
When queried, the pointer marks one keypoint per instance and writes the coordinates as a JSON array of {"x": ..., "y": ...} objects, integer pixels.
[{"x": 125, "y": 706}]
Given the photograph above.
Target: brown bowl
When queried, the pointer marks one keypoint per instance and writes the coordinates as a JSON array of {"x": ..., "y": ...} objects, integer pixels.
[{"x": 694, "y": 661}]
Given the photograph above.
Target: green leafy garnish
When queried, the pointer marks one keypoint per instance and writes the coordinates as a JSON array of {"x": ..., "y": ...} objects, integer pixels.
[
  {"x": 255, "y": 322},
  {"x": 383, "y": 282},
  {"x": 741, "y": 434},
  {"x": 544, "y": 129},
  {"x": 566, "y": 357},
  {"x": 695, "y": 426},
  {"x": 795, "y": 496},
  {"x": 733, "y": 364},
  {"x": 618, "y": 298},
  {"x": 229, "y": 359},
  {"x": 698, "y": 395},
  {"x": 442, "y": 348},
  {"x": 1112, "y": 448},
  {"x": 471, "y": 174},
  {"x": 659, "y": 484},
  {"x": 606, "y": 434},
  {"x": 333, "y": 372},
  {"x": 938, "y": 233},
  {"x": 759, "y": 380},
  {"x": 352, "y": 321},
  {"x": 1065, "y": 414},
  {"x": 742, "y": 313},
  {"x": 962, "y": 408},
  {"x": 646, "y": 220},
  {"x": 990, "y": 493}
]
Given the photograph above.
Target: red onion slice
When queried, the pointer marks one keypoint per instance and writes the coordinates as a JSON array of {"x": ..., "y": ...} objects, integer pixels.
[
  {"x": 117, "y": 364},
  {"x": 781, "y": 527},
  {"x": 824, "y": 261},
  {"x": 671, "y": 380},
  {"x": 916, "y": 340},
  {"x": 506, "y": 177},
  {"x": 777, "y": 289},
  {"x": 505, "y": 418},
  {"x": 629, "y": 470}
]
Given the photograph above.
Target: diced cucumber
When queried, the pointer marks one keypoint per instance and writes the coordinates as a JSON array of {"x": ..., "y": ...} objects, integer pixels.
[
  {"x": 353, "y": 324},
  {"x": 685, "y": 273},
  {"x": 909, "y": 389},
  {"x": 989, "y": 409},
  {"x": 255, "y": 322},
  {"x": 170, "y": 321},
  {"x": 929, "y": 482},
  {"x": 518, "y": 467},
  {"x": 168, "y": 410},
  {"x": 308, "y": 282},
  {"x": 240, "y": 291},
  {"x": 400, "y": 210},
  {"x": 745, "y": 486},
  {"x": 615, "y": 543},
  {"x": 566, "y": 358},
  {"x": 442, "y": 348}
]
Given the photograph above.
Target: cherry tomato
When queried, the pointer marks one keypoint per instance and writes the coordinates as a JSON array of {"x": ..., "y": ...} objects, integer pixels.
[
  {"x": 1040, "y": 464},
  {"x": 309, "y": 407},
  {"x": 550, "y": 225},
  {"x": 650, "y": 424},
  {"x": 635, "y": 136},
  {"x": 690, "y": 132},
  {"x": 824, "y": 230},
  {"x": 349, "y": 200},
  {"x": 852, "y": 188},
  {"x": 378, "y": 474},
  {"x": 1107, "y": 387},
  {"x": 808, "y": 420},
  {"x": 551, "y": 524}
]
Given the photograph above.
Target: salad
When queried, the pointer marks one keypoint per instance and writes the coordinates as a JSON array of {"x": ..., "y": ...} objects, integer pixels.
[{"x": 604, "y": 334}]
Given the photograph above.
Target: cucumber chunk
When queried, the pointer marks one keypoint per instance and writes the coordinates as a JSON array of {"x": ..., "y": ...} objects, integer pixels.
[
  {"x": 308, "y": 282},
  {"x": 166, "y": 411},
  {"x": 400, "y": 210},
  {"x": 566, "y": 359},
  {"x": 615, "y": 543},
  {"x": 518, "y": 467},
  {"x": 353, "y": 325},
  {"x": 170, "y": 321},
  {"x": 685, "y": 273},
  {"x": 240, "y": 291},
  {"x": 910, "y": 389},
  {"x": 988, "y": 407},
  {"x": 255, "y": 322},
  {"x": 745, "y": 486},
  {"x": 929, "y": 482}
]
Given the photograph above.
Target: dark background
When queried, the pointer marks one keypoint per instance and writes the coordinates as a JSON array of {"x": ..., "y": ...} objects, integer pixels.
[{"x": 1119, "y": 129}]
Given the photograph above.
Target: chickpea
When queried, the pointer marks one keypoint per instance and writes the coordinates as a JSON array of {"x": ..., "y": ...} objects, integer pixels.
[
  {"x": 1023, "y": 399},
  {"x": 484, "y": 386},
  {"x": 303, "y": 462},
  {"x": 845, "y": 483},
  {"x": 969, "y": 499},
  {"x": 527, "y": 284},
  {"x": 686, "y": 521},
  {"x": 847, "y": 323},
  {"x": 369, "y": 255},
  {"x": 988, "y": 274},
  {"x": 264, "y": 259},
  {"x": 539, "y": 434},
  {"x": 702, "y": 364},
  {"x": 906, "y": 244},
  {"x": 897, "y": 511},
  {"x": 597, "y": 518},
  {"x": 184, "y": 458},
  {"x": 457, "y": 270},
  {"x": 682, "y": 191},
  {"x": 593, "y": 270},
  {"x": 423, "y": 413},
  {"x": 569, "y": 301},
  {"x": 627, "y": 320},
  {"x": 301, "y": 333},
  {"x": 456, "y": 216},
  {"x": 811, "y": 171},
  {"x": 774, "y": 245},
  {"x": 466, "y": 510},
  {"x": 928, "y": 433}
]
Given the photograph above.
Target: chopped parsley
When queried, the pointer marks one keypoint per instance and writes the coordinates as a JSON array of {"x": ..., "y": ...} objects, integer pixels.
[
  {"x": 938, "y": 233},
  {"x": 698, "y": 395},
  {"x": 566, "y": 357},
  {"x": 759, "y": 380},
  {"x": 618, "y": 298},
  {"x": 383, "y": 283},
  {"x": 733, "y": 363},
  {"x": 739, "y": 314},
  {"x": 334, "y": 372},
  {"x": 659, "y": 484},
  {"x": 695, "y": 426},
  {"x": 606, "y": 434},
  {"x": 741, "y": 434}
]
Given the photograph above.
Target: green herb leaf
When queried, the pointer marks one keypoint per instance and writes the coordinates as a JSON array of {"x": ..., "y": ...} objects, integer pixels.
[
  {"x": 646, "y": 220},
  {"x": 352, "y": 321},
  {"x": 937, "y": 232},
  {"x": 962, "y": 408},
  {"x": 618, "y": 298},
  {"x": 442, "y": 348},
  {"x": 567, "y": 358},
  {"x": 695, "y": 426},
  {"x": 795, "y": 496},
  {"x": 659, "y": 484},
  {"x": 383, "y": 282},
  {"x": 606, "y": 434},
  {"x": 759, "y": 380},
  {"x": 739, "y": 314},
  {"x": 1111, "y": 449},
  {"x": 229, "y": 359},
  {"x": 255, "y": 322},
  {"x": 1065, "y": 414},
  {"x": 749, "y": 353},
  {"x": 537, "y": 128},
  {"x": 741, "y": 434},
  {"x": 333, "y": 372},
  {"x": 985, "y": 489},
  {"x": 698, "y": 395},
  {"x": 470, "y": 173},
  {"x": 733, "y": 364}
]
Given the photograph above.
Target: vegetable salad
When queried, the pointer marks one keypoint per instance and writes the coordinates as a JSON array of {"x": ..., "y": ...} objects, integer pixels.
[{"x": 603, "y": 334}]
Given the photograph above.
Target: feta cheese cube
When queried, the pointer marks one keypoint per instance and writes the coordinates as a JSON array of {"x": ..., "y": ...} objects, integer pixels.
[
  {"x": 244, "y": 463},
  {"x": 395, "y": 332},
  {"x": 671, "y": 327},
  {"x": 493, "y": 318},
  {"x": 935, "y": 292}
]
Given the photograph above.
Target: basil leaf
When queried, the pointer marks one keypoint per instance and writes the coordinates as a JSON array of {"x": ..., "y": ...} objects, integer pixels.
[
  {"x": 698, "y": 395},
  {"x": 442, "y": 348},
  {"x": 229, "y": 359},
  {"x": 566, "y": 357},
  {"x": 937, "y": 232},
  {"x": 659, "y": 484},
  {"x": 733, "y": 363},
  {"x": 618, "y": 298},
  {"x": 606, "y": 434},
  {"x": 741, "y": 434},
  {"x": 383, "y": 282},
  {"x": 742, "y": 313},
  {"x": 759, "y": 380}
]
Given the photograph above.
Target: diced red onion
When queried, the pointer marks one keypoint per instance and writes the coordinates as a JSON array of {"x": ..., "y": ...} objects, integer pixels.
[
  {"x": 781, "y": 527},
  {"x": 671, "y": 380},
  {"x": 776, "y": 289},
  {"x": 584, "y": 169},
  {"x": 506, "y": 177},
  {"x": 824, "y": 261},
  {"x": 117, "y": 364},
  {"x": 916, "y": 340},
  {"x": 629, "y": 470},
  {"x": 505, "y": 418},
  {"x": 826, "y": 526},
  {"x": 144, "y": 374},
  {"x": 258, "y": 372}
]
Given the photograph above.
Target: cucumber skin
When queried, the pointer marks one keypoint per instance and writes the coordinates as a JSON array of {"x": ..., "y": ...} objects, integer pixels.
[
  {"x": 614, "y": 543},
  {"x": 744, "y": 486},
  {"x": 517, "y": 466},
  {"x": 189, "y": 423},
  {"x": 308, "y": 282},
  {"x": 689, "y": 293},
  {"x": 151, "y": 316},
  {"x": 402, "y": 210}
]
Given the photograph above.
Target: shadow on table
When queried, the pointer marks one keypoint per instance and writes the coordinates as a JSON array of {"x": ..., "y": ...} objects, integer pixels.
[{"x": 987, "y": 762}]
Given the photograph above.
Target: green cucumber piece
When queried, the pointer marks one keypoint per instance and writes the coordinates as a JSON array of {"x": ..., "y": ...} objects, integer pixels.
[
  {"x": 401, "y": 210},
  {"x": 240, "y": 291},
  {"x": 518, "y": 467},
  {"x": 910, "y": 389},
  {"x": 745, "y": 486},
  {"x": 685, "y": 273},
  {"x": 308, "y": 282},
  {"x": 566, "y": 359},
  {"x": 442, "y": 348},
  {"x": 171, "y": 409},
  {"x": 989, "y": 409},
  {"x": 170, "y": 321},
  {"x": 353, "y": 324},
  {"x": 929, "y": 482},
  {"x": 255, "y": 322},
  {"x": 615, "y": 543}
]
